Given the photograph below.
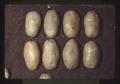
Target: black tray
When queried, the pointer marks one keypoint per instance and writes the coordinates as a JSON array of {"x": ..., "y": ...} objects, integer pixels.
[{"x": 15, "y": 39}]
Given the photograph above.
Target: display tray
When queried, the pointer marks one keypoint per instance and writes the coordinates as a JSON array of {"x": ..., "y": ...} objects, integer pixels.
[{"x": 15, "y": 39}]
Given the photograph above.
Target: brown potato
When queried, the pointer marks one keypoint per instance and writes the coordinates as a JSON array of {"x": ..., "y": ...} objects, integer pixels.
[
  {"x": 51, "y": 23},
  {"x": 31, "y": 55},
  {"x": 71, "y": 54},
  {"x": 91, "y": 24},
  {"x": 71, "y": 23},
  {"x": 50, "y": 54},
  {"x": 45, "y": 76},
  {"x": 90, "y": 55},
  {"x": 7, "y": 75},
  {"x": 32, "y": 23}
]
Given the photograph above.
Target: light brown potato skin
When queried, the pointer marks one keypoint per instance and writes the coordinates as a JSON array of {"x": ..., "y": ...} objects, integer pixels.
[
  {"x": 32, "y": 23},
  {"x": 50, "y": 54},
  {"x": 7, "y": 75},
  {"x": 90, "y": 55},
  {"x": 71, "y": 54},
  {"x": 45, "y": 76},
  {"x": 31, "y": 55},
  {"x": 91, "y": 24},
  {"x": 51, "y": 23},
  {"x": 71, "y": 23}
]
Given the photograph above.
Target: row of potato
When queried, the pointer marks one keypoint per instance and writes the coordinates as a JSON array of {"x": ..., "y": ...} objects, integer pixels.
[
  {"x": 71, "y": 23},
  {"x": 71, "y": 53},
  {"x": 50, "y": 54}
]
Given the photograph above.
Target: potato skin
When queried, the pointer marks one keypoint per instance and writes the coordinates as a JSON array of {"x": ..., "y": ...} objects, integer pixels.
[
  {"x": 7, "y": 75},
  {"x": 71, "y": 23},
  {"x": 50, "y": 54},
  {"x": 90, "y": 55},
  {"x": 91, "y": 24},
  {"x": 45, "y": 76},
  {"x": 71, "y": 54},
  {"x": 51, "y": 23},
  {"x": 32, "y": 23},
  {"x": 31, "y": 55}
]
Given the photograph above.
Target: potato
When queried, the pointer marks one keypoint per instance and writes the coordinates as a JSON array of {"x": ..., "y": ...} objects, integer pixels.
[
  {"x": 91, "y": 24},
  {"x": 31, "y": 55},
  {"x": 7, "y": 75},
  {"x": 51, "y": 23},
  {"x": 45, "y": 76},
  {"x": 71, "y": 23},
  {"x": 50, "y": 54},
  {"x": 71, "y": 54},
  {"x": 32, "y": 23},
  {"x": 90, "y": 55}
]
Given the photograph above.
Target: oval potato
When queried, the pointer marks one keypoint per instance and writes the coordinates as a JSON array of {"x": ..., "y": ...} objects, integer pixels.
[
  {"x": 50, "y": 54},
  {"x": 51, "y": 23},
  {"x": 32, "y": 23},
  {"x": 31, "y": 55},
  {"x": 7, "y": 75},
  {"x": 71, "y": 54},
  {"x": 91, "y": 24},
  {"x": 45, "y": 76},
  {"x": 90, "y": 55},
  {"x": 71, "y": 23}
]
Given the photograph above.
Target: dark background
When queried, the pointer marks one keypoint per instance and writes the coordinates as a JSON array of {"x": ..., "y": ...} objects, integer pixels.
[
  {"x": 61, "y": 82},
  {"x": 15, "y": 39},
  {"x": 114, "y": 2}
]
